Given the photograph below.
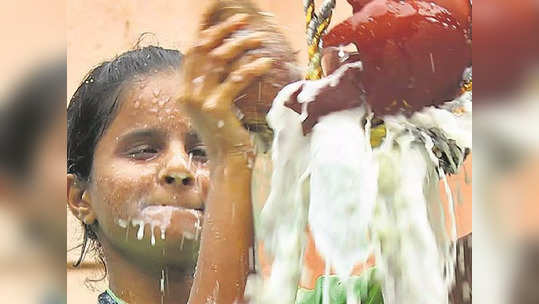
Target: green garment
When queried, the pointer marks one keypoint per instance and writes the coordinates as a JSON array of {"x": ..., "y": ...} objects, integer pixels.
[{"x": 365, "y": 287}]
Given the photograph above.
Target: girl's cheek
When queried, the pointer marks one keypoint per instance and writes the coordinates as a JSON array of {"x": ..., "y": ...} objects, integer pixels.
[{"x": 122, "y": 191}]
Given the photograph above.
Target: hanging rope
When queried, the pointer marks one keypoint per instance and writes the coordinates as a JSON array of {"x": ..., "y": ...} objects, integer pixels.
[
  {"x": 467, "y": 81},
  {"x": 316, "y": 26}
]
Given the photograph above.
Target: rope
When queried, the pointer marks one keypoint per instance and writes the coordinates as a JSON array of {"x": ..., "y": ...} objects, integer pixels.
[
  {"x": 467, "y": 81},
  {"x": 316, "y": 26}
]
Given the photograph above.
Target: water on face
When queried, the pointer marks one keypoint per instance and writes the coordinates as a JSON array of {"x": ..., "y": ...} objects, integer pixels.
[
  {"x": 360, "y": 201},
  {"x": 158, "y": 218}
]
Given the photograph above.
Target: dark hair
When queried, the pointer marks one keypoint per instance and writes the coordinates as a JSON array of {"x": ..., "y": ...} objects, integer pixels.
[
  {"x": 28, "y": 112},
  {"x": 93, "y": 107},
  {"x": 94, "y": 104}
]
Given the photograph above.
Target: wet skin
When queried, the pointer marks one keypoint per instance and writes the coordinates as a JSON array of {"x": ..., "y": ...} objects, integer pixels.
[
  {"x": 142, "y": 170},
  {"x": 142, "y": 164}
]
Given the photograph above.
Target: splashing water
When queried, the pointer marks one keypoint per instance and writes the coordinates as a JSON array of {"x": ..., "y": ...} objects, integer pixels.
[
  {"x": 284, "y": 217},
  {"x": 343, "y": 189},
  {"x": 361, "y": 201}
]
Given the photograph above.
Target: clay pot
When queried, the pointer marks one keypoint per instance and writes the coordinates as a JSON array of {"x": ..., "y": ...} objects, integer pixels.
[{"x": 413, "y": 52}]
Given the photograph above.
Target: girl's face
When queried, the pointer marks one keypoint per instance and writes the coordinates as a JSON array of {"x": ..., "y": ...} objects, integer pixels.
[{"x": 150, "y": 174}]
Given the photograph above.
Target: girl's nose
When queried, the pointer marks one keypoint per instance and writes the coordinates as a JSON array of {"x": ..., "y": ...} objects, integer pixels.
[
  {"x": 178, "y": 178},
  {"x": 176, "y": 172}
]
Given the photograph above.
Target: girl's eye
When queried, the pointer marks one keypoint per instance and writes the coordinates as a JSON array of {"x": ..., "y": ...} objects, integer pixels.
[
  {"x": 199, "y": 154},
  {"x": 143, "y": 152}
]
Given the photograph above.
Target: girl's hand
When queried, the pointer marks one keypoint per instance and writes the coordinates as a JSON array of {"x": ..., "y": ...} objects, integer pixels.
[{"x": 215, "y": 71}]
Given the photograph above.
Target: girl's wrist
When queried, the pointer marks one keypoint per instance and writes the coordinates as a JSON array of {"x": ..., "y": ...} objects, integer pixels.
[
  {"x": 237, "y": 159},
  {"x": 225, "y": 138}
]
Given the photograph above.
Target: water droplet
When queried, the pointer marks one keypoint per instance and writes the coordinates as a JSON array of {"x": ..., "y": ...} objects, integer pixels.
[
  {"x": 162, "y": 281},
  {"x": 181, "y": 242},
  {"x": 220, "y": 124},
  {"x": 198, "y": 80},
  {"x": 122, "y": 223},
  {"x": 341, "y": 52},
  {"x": 163, "y": 101},
  {"x": 236, "y": 78},
  {"x": 190, "y": 161},
  {"x": 140, "y": 232},
  {"x": 432, "y": 63}
]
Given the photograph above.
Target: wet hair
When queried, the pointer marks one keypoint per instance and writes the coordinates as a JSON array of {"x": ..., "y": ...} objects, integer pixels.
[
  {"x": 94, "y": 105},
  {"x": 28, "y": 112}
]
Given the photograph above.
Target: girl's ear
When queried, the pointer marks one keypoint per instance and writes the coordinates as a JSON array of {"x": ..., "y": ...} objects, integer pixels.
[{"x": 78, "y": 200}]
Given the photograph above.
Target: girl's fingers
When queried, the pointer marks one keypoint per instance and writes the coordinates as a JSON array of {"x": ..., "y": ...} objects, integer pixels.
[
  {"x": 203, "y": 84},
  {"x": 235, "y": 47},
  {"x": 214, "y": 35},
  {"x": 243, "y": 60},
  {"x": 236, "y": 82}
]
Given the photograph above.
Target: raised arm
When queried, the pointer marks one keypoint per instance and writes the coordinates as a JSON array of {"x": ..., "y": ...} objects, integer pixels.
[{"x": 215, "y": 71}]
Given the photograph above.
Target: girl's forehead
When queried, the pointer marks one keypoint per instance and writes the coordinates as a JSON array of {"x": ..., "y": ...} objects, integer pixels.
[{"x": 150, "y": 100}]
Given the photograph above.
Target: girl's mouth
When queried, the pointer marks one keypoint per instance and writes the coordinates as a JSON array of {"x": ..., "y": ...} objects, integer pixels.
[
  {"x": 165, "y": 222},
  {"x": 153, "y": 208}
]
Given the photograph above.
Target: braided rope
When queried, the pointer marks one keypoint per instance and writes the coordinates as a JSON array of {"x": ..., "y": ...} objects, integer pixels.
[
  {"x": 467, "y": 81},
  {"x": 316, "y": 26}
]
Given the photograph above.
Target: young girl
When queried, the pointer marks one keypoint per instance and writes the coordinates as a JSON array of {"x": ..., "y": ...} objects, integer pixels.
[{"x": 159, "y": 169}]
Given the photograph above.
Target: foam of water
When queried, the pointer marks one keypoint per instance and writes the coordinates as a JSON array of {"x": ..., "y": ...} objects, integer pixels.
[
  {"x": 343, "y": 189},
  {"x": 360, "y": 201},
  {"x": 157, "y": 216}
]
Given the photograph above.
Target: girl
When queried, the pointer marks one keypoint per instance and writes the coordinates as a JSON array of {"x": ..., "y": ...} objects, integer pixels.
[{"x": 158, "y": 169}]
